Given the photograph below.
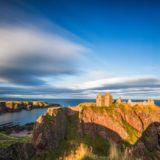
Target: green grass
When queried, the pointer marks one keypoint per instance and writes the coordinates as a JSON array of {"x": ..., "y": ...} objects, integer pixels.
[
  {"x": 132, "y": 132},
  {"x": 94, "y": 157},
  {"x": 103, "y": 110},
  {"x": 48, "y": 118},
  {"x": 99, "y": 146},
  {"x": 7, "y": 140}
]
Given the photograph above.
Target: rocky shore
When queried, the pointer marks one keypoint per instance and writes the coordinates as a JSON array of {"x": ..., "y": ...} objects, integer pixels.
[
  {"x": 16, "y": 128},
  {"x": 15, "y": 106}
]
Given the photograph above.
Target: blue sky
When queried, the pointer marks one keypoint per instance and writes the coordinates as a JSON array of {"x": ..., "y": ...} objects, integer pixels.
[{"x": 77, "y": 49}]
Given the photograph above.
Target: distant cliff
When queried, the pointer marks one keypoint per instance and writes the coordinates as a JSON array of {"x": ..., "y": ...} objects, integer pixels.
[
  {"x": 12, "y": 106},
  {"x": 132, "y": 128}
]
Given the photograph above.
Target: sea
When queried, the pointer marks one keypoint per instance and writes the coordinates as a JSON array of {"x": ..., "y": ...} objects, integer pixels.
[{"x": 29, "y": 116}]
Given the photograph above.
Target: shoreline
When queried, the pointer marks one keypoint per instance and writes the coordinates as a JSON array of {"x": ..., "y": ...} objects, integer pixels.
[
  {"x": 17, "y": 128},
  {"x": 22, "y": 133},
  {"x": 11, "y": 109}
]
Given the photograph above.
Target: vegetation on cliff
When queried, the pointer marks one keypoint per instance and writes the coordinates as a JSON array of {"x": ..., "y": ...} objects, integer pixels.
[
  {"x": 74, "y": 146},
  {"x": 7, "y": 140},
  {"x": 128, "y": 121}
]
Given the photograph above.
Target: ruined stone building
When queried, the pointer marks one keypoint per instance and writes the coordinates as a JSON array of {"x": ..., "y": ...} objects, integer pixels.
[
  {"x": 104, "y": 100},
  {"x": 119, "y": 100},
  {"x": 149, "y": 102}
]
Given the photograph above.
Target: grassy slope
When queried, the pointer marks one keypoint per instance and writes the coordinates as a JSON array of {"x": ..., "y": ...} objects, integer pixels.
[{"x": 7, "y": 140}]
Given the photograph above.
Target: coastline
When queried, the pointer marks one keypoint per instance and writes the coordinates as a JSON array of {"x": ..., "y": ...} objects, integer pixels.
[
  {"x": 17, "y": 106},
  {"x": 17, "y": 128}
]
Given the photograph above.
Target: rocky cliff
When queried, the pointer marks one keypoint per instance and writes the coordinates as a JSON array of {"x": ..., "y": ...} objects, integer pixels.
[
  {"x": 148, "y": 145},
  {"x": 128, "y": 122},
  {"x": 138, "y": 126},
  {"x": 50, "y": 129},
  {"x": 134, "y": 128},
  {"x": 12, "y": 106}
]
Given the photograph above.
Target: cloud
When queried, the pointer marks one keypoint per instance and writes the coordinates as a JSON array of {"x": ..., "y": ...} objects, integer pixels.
[
  {"x": 126, "y": 90},
  {"x": 29, "y": 55},
  {"x": 136, "y": 87},
  {"x": 31, "y": 61},
  {"x": 122, "y": 82},
  {"x": 41, "y": 59},
  {"x": 38, "y": 92}
]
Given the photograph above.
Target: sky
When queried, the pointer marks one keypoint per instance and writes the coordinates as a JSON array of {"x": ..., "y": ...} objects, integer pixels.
[{"x": 79, "y": 48}]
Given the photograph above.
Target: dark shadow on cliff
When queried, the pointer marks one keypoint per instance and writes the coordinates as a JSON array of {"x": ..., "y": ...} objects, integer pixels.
[
  {"x": 147, "y": 146},
  {"x": 92, "y": 135},
  {"x": 78, "y": 133},
  {"x": 91, "y": 128}
]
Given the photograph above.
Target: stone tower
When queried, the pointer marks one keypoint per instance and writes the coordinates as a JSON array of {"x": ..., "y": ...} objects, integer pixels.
[
  {"x": 104, "y": 100},
  {"x": 107, "y": 99},
  {"x": 100, "y": 100}
]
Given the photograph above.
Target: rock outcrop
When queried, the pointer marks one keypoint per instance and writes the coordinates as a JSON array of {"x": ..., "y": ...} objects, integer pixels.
[
  {"x": 137, "y": 126},
  {"x": 148, "y": 146},
  {"x": 95, "y": 123},
  {"x": 13, "y": 106},
  {"x": 50, "y": 129},
  {"x": 126, "y": 121},
  {"x": 17, "y": 151}
]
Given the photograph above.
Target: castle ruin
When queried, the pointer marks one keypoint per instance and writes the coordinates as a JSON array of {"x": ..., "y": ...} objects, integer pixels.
[
  {"x": 106, "y": 100},
  {"x": 149, "y": 102}
]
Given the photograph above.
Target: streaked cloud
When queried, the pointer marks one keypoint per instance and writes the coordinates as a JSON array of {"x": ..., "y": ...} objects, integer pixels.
[
  {"x": 122, "y": 82},
  {"x": 35, "y": 63},
  {"x": 120, "y": 87},
  {"x": 137, "y": 87},
  {"x": 29, "y": 55}
]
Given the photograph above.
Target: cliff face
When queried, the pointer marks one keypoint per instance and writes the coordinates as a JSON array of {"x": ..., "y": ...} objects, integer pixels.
[
  {"x": 148, "y": 146},
  {"x": 126, "y": 121},
  {"x": 137, "y": 126},
  {"x": 50, "y": 129}
]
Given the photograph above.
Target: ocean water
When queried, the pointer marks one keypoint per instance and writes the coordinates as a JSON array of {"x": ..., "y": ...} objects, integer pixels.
[{"x": 24, "y": 117}]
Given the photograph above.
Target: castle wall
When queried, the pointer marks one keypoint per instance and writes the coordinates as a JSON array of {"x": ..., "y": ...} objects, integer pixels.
[
  {"x": 108, "y": 100},
  {"x": 150, "y": 102},
  {"x": 104, "y": 100},
  {"x": 100, "y": 100}
]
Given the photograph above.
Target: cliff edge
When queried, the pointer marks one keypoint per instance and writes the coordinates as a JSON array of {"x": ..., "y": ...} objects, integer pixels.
[
  {"x": 50, "y": 129},
  {"x": 131, "y": 128}
]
